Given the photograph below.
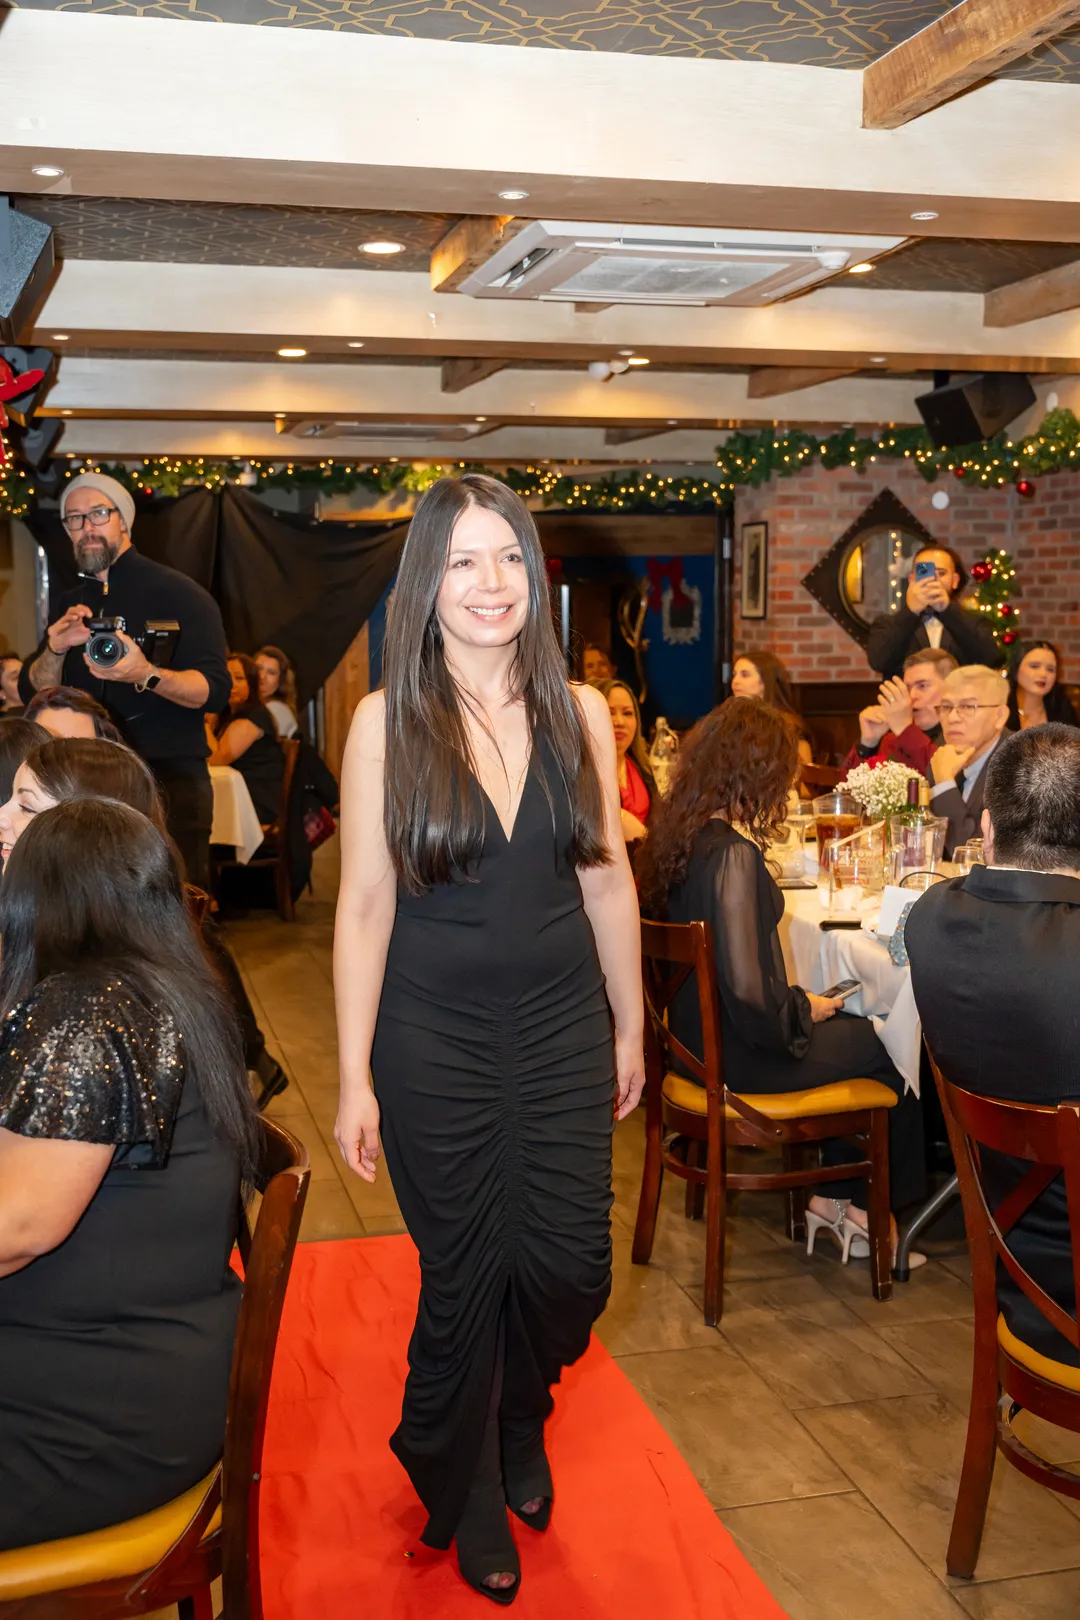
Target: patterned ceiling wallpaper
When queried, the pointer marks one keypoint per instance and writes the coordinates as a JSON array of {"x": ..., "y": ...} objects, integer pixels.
[
  {"x": 821, "y": 33},
  {"x": 227, "y": 233}
]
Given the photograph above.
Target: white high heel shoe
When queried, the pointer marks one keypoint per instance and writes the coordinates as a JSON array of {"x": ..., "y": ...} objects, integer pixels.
[
  {"x": 816, "y": 1223},
  {"x": 856, "y": 1245}
]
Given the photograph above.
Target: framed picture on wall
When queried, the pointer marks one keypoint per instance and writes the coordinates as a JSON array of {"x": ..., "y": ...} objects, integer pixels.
[{"x": 755, "y": 571}]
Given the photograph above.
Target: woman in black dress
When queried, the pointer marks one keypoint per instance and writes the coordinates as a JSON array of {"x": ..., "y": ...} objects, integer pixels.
[
  {"x": 1036, "y": 693},
  {"x": 125, "y": 1127},
  {"x": 486, "y": 904},
  {"x": 244, "y": 736},
  {"x": 703, "y": 861}
]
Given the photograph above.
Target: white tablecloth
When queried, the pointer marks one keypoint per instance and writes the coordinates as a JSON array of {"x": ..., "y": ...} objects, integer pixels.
[
  {"x": 817, "y": 959},
  {"x": 235, "y": 820}
]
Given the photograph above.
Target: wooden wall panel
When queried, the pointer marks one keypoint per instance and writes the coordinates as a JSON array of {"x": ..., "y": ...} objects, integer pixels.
[{"x": 349, "y": 683}]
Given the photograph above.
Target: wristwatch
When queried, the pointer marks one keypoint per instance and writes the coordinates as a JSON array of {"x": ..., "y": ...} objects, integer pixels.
[{"x": 152, "y": 681}]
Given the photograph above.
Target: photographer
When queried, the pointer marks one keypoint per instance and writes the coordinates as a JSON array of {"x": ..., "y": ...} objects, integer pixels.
[
  {"x": 931, "y": 617},
  {"x": 159, "y": 711}
]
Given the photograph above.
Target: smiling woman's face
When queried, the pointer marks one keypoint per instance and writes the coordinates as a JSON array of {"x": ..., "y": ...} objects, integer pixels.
[{"x": 28, "y": 799}]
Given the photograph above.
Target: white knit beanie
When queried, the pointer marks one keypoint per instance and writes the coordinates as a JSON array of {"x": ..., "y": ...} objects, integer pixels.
[{"x": 116, "y": 493}]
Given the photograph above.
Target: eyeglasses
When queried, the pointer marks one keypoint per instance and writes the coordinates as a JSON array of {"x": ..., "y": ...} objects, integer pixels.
[
  {"x": 968, "y": 710},
  {"x": 97, "y": 517}
]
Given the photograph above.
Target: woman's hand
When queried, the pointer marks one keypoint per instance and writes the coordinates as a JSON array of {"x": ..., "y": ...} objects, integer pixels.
[
  {"x": 823, "y": 1007},
  {"x": 356, "y": 1131},
  {"x": 629, "y": 1076}
]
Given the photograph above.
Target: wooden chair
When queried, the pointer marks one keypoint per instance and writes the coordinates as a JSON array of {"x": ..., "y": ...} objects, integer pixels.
[
  {"x": 822, "y": 777},
  {"x": 274, "y": 850},
  {"x": 172, "y": 1554},
  {"x": 707, "y": 1116},
  {"x": 1007, "y": 1375}
]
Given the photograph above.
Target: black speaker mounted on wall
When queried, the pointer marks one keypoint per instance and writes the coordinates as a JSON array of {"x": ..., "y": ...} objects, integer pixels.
[
  {"x": 26, "y": 266},
  {"x": 974, "y": 407}
]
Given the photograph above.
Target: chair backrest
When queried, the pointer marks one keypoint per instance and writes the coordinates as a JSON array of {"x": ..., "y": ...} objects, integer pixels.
[
  {"x": 1049, "y": 1140},
  {"x": 267, "y": 1253},
  {"x": 290, "y": 747},
  {"x": 198, "y": 903},
  {"x": 820, "y": 776},
  {"x": 670, "y": 954}
]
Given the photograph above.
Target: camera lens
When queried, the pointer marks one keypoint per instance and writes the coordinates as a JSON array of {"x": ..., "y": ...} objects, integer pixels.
[{"x": 104, "y": 649}]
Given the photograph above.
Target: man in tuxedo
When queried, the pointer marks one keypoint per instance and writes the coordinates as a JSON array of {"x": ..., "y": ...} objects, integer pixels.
[
  {"x": 993, "y": 967},
  {"x": 932, "y": 617},
  {"x": 974, "y": 713}
]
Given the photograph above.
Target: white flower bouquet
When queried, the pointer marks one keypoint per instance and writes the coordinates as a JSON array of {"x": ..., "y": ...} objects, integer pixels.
[{"x": 880, "y": 787}]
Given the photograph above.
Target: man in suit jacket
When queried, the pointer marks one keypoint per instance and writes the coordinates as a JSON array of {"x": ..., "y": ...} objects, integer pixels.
[
  {"x": 931, "y": 617},
  {"x": 974, "y": 713},
  {"x": 993, "y": 966}
]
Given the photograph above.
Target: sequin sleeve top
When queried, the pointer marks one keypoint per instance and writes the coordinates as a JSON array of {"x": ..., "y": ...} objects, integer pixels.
[{"x": 87, "y": 1061}]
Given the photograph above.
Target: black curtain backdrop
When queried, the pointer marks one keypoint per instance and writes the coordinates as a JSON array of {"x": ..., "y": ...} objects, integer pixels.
[{"x": 305, "y": 587}]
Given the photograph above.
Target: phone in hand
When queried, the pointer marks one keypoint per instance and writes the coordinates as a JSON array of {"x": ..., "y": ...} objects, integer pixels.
[
  {"x": 845, "y": 989},
  {"x": 925, "y": 569}
]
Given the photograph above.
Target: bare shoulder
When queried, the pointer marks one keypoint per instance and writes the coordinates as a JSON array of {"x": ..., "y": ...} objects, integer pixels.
[
  {"x": 368, "y": 730},
  {"x": 593, "y": 706}
]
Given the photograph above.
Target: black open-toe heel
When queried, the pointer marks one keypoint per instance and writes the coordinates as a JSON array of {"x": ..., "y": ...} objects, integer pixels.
[
  {"x": 484, "y": 1544},
  {"x": 526, "y": 1472}
]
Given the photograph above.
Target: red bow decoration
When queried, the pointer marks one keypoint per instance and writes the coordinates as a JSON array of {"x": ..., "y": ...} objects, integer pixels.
[
  {"x": 670, "y": 568},
  {"x": 10, "y": 388}
]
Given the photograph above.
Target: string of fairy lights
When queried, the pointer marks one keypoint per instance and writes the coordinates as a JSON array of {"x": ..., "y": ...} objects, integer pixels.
[{"x": 744, "y": 460}]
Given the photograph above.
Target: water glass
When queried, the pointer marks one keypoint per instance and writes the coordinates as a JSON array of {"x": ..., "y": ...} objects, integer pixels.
[{"x": 965, "y": 856}]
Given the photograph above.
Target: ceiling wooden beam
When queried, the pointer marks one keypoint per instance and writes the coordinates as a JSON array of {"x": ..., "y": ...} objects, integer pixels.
[
  {"x": 469, "y": 244},
  {"x": 1048, "y": 293},
  {"x": 460, "y": 374},
  {"x": 770, "y": 380},
  {"x": 627, "y": 435},
  {"x": 967, "y": 44}
]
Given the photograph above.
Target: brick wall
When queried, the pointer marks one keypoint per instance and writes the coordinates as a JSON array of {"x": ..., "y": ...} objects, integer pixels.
[{"x": 810, "y": 511}]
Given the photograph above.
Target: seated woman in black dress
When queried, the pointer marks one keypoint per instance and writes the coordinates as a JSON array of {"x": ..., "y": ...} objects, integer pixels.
[
  {"x": 125, "y": 1130},
  {"x": 703, "y": 861},
  {"x": 244, "y": 736},
  {"x": 1036, "y": 693}
]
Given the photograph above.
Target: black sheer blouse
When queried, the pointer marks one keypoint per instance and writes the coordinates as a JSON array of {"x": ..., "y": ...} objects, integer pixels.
[{"x": 727, "y": 884}]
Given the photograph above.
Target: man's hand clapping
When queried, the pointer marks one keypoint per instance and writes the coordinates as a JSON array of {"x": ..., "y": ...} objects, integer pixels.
[
  {"x": 894, "y": 702},
  {"x": 873, "y": 724}
]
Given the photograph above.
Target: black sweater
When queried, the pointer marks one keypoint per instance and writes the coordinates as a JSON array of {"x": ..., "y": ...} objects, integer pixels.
[{"x": 138, "y": 589}]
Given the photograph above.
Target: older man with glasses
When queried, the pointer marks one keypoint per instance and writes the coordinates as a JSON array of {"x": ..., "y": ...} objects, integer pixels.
[
  {"x": 158, "y": 711},
  {"x": 974, "y": 713}
]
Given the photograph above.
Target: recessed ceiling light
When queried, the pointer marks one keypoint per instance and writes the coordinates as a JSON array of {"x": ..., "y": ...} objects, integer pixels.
[
  {"x": 59, "y": 337},
  {"x": 513, "y": 196},
  {"x": 292, "y": 354},
  {"x": 279, "y": 416},
  {"x": 481, "y": 418},
  {"x": 637, "y": 360},
  {"x": 47, "y": 171},
  {"x": 356, "y": 345},
  {"x": 877, "y": 359},
  {"x": 628, "y": 352},
  {"x": 382, "y": 247},
  {"x": 673, "y": 421},
  {"x": 926, "y": 213},
  {"x": 65, "y": 413},
  {"x": 859, "y": 269}
]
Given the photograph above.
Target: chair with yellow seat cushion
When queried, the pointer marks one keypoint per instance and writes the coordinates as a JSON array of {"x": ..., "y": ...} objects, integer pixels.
[
  {"x": 1009, "y": 1375},
  {"x": 171, "y": 1555},
  {"x": 689, "y": 1123}
]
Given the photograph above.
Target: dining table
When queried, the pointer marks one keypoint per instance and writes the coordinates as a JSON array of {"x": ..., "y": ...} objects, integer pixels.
[{"x": 236, "y": 820}]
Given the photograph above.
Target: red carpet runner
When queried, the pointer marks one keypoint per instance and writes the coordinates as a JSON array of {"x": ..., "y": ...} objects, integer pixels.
[{"x": 632, "y": 1537}]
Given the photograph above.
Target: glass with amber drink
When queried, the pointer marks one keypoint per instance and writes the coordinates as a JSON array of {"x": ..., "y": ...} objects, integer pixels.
[{"x": 836, "y": 815}]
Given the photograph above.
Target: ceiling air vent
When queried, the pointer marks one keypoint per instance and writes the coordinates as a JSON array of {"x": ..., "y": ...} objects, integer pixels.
[
  {"x": 560, "y": 261},
  {"x": 399, "y": 432}
]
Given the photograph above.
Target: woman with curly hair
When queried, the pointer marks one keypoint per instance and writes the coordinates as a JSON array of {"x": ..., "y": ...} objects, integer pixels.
[{"x": 703, "y": 860}]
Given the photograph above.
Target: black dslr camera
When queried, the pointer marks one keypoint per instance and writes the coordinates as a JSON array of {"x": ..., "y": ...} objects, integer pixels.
[{"x": 158, "y": 641}]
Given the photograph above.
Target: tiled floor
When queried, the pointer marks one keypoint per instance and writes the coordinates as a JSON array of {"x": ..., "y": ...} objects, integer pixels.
[{"x": 826, "y": 1429}]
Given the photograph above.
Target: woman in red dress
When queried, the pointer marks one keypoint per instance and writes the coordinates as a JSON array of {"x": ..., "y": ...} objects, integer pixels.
[{"x": 637, "y": 787}]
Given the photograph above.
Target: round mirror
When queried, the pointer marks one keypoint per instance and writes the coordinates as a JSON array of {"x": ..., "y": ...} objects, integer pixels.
[{"x": 874, "y": 571}]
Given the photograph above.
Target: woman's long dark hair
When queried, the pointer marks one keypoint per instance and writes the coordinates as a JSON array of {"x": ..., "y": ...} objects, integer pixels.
[
  {"x": 94, "y": 768},
  {"x": 251, "y": 676},
  {"x": 775, "y": 679},
  {"x": 18, "y": 736},
  {"x": 1056, "y": 702},
  {"x": 740, "y": 760},
  {"x": 92, "y": 888},
  {"x": 433, "y": 815}
]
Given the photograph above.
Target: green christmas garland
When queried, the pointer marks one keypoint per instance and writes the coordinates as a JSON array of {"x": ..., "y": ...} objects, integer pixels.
[{"x": 746, "y": 459}]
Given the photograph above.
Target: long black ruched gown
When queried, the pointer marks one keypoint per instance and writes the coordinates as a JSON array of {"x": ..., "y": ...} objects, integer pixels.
[{"x": 494, "y": 1070}]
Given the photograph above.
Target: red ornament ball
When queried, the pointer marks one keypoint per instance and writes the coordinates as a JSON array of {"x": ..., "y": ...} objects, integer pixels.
[
  {"x": 1009, "y": 637},
  {"x": 1005, "y": 609},
  {"x": 958, "y": 472},
  {"x": 1025, "y": 488},
  {"x": 980, "y": 572}
]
